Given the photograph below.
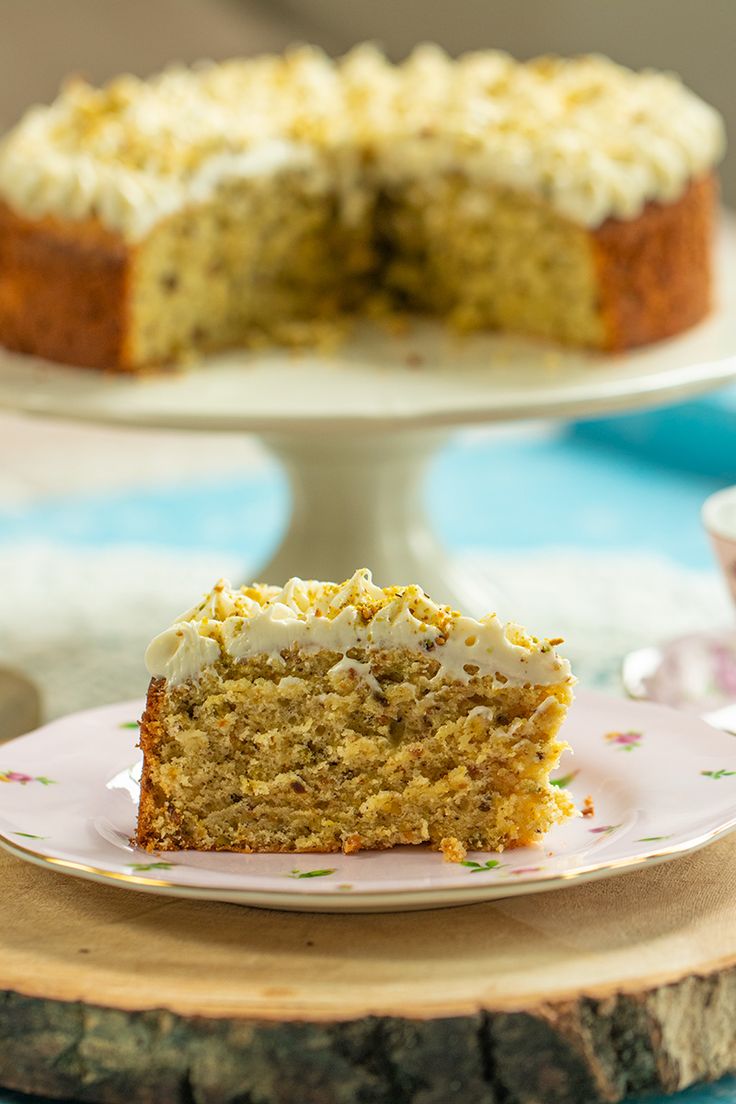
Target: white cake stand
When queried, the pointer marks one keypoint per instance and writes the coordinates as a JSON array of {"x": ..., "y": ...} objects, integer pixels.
[{"x": 355, "y": 428}]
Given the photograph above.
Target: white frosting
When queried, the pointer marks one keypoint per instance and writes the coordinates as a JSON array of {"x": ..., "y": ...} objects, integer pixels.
[
  {"x": 181, "y": 652},
  {"x": 362, "y": 670},
  {"x": 127, "y": 200},
  {"x": 267, "y": 621},
  {"x": 590, "y": 137}
]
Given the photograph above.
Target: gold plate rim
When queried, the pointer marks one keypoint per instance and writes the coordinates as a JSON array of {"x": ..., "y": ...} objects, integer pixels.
[{"x": 484, "y": 891}]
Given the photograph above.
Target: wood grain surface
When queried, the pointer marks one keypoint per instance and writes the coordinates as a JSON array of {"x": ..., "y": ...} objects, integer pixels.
[{"x": 579, "y": 995}]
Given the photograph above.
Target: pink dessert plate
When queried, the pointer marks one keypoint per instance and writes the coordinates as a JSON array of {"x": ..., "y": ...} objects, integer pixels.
[
  {"x": 695, "y": 673},
  {"x": 661, "y": 783}
]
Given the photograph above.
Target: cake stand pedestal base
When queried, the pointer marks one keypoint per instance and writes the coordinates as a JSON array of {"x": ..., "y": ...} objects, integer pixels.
[{"x": 357, "y": 501}]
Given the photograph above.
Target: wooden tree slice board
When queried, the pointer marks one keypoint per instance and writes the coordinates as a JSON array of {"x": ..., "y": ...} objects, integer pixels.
[{"x": 583, "y": 994}]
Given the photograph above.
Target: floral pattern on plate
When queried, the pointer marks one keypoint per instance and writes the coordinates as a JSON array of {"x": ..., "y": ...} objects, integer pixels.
[
  {"x": 23, "y": 779},
  {"x": 626, "y": 741}
]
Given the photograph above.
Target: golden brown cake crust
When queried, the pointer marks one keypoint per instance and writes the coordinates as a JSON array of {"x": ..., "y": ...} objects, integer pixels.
[
  {"x": 150, "y": 737},
  {"x": 654, "y": 272},
  {"x": 63, "y": 290}
]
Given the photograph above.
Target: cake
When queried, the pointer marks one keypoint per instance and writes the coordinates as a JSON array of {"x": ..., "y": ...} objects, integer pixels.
[
  {"x": 324, "y": 717},
  {"x": 266, "y": 200}
]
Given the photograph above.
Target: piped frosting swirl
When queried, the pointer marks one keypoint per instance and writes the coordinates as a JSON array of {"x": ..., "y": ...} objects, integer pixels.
[
  {"x": 264, "y": 620},
  {"x": 592, "y": 138}
]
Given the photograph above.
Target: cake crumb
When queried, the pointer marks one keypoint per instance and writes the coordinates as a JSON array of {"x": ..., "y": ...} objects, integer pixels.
[
  {"x": 588, "y": 809},
  {"x": 452, "y": 849}
]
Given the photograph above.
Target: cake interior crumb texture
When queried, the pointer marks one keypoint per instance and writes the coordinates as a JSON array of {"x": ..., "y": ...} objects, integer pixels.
[
  {"x": 267, "y": 260},
  {"x": 312, "y": 755}
]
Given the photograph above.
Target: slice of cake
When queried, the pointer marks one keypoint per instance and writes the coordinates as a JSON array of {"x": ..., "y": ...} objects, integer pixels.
[
  {"x": 146, "y": 222},
  {"x": 324, "y": 717}
]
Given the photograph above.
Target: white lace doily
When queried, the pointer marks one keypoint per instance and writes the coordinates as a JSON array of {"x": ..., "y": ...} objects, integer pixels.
[{"x": 77, "y": 621}]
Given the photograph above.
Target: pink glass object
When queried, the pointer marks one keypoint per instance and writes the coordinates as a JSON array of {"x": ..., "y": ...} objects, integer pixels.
[{"x": 719, "y": 519}]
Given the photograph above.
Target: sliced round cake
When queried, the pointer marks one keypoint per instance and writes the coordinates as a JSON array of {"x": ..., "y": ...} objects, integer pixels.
[{"x": 147, "y": 221}]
